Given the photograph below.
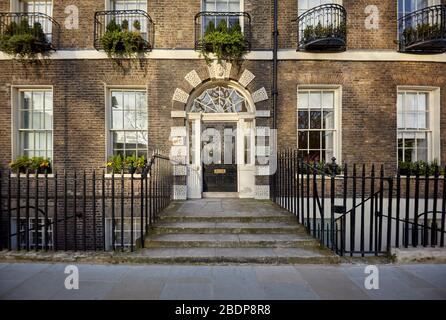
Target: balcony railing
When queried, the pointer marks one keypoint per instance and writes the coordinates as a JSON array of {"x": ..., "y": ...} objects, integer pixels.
[
  {"x": 203, "y": 20},
  {"x": 21, "y": 23},
  {"x": 323, "y": 28},
  {"x": 131, "y": 20},
  {"x": 423, "y": 31}
]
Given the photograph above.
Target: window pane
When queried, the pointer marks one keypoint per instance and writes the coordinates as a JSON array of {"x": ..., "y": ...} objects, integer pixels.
[
  {"x": 48, "y": 118},
  {"x": 27, "y": 140},
  {"x": 131, "y": 141},
  {"x": 328, "y": 100},
  {"x": 315, "y": 120},
  {"x": 116, "y": 100},
  {"x": 303, "y": 120},
  {"x": 303, "y": 100},
  {"x": 315, "y": 100},
  {"x": 38, "y": 100},
  {"x": 303, "y": 140},
  {"x": 129, "y": 101},
  {"x": 25, "y": 120},
  {"x": 48, "y": 100},
  {"x": 141, "y": 101},
  {"x": 315, "y": 140},
  {"x": 129, "y": 120},
  {"x": 328, "y": 120},
  {"x": 117, "y": 119},
  {"x": 118, "y": 140},
  {"x": 141, "y": 120},
  {"x": 40, "y": 141},
  {"x": 313, "y": 156},
  {"x": 49, "y": 144},
  {"x": 37, "y": 120},
  {"x": 25, "y": 100}
]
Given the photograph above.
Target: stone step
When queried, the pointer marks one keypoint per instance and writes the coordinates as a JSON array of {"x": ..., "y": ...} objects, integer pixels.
[
  {"x": 226, "y": 227},
  {"x": 238, "y": 255},
  {"x": 230, "y": 241},
  {"x": 227, "y": 218}
]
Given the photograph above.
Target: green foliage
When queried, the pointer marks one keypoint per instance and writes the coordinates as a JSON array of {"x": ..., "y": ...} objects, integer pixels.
[
  {"x": 119, "y": 42},
  {"x": 422, "y": 31},
  {"x": 320, "y": 167},
  {"x": 422, "y": 167},
  {"x": 24, "y": 41},
  {"x": 130, "y": 164},
  {"x": 137, "y": 25},
  {"x": 225, "y": 43},
  {"x": 320, "y": 32},
  {"x": 33, "y": 165}
]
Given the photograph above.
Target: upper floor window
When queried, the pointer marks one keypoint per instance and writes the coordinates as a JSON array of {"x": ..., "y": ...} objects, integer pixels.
[
  {"x": 418, "y": 134},
  {"x": 129, "y": 5},
  {"x": 129, "y": 122},
  {"x": 221, "y": 5},
  {"x": 317, "y": 124},
  {"x": 35, "y": 6},
  {"x": 305, "y": 5},
  {"x": 35, "y": 123},
  {"x": 408, "y": 6}
]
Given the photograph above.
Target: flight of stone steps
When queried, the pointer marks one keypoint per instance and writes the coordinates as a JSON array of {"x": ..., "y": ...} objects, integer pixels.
[{"x": 225, "y": 231}]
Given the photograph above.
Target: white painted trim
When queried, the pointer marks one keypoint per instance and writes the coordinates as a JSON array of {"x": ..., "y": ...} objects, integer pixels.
[
  {"x": 284, "y": 54},
  {"x": 360, "y": 55}
]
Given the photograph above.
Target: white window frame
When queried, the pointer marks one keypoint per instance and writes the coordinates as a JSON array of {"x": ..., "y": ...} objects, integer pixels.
[
  {"x": 337, "y": 133},
  {"x": 434, "y": 141},
  {"x": 127, "y": 232},
  {"x": 15, "y": 119},
  {"x": 17, "y": 6},
  {"x": 242, "y": 5},
  {"x": 108, "y": 113}
]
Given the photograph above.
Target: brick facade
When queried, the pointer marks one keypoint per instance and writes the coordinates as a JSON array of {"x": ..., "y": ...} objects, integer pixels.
[{"x": 368, "y": 88}]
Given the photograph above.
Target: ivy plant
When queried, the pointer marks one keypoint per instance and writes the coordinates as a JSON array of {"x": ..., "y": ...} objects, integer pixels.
[
  {"x": 120, "y": 42},
  {"x": 24, "y": 41},
  {"x": 225, "y": 43}
]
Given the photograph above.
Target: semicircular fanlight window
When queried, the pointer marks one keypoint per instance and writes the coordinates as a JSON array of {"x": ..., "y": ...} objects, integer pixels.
[{"x": 219, "y": 100}]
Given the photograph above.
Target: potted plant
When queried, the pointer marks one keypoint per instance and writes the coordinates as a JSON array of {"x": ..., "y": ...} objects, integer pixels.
[
  {"x": 25, "y": 164},
  {"x": 120, "y": 42},
  {"x": 225, "y": 43},
  {"x": 421, "y": 167},
  {"x": 135, "y": 164},
  {"x": 130, "y": 164},
  {"x": 115, "y": 163},
  {"x": 24, "y": 41}
]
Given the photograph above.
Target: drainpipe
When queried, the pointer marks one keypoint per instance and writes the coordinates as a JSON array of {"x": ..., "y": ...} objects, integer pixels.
[{"x": 275, "y": 92}]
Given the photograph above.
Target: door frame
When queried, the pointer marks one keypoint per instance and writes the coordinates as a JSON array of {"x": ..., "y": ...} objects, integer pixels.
[{"x": 245, "y": 172}]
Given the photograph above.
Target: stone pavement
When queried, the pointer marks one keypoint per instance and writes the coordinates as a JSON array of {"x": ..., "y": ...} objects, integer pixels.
[{"x": 288, "y": 282}]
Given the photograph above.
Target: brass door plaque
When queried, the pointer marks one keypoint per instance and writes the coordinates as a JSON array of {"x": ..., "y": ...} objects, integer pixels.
[{"x": 219, "y": 171}]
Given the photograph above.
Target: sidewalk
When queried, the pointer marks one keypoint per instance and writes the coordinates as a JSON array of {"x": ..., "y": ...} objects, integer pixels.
[{"x": 46, "y": 281}]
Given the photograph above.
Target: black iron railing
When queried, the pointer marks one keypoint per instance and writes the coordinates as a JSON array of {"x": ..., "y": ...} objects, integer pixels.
[
  {"x": 423, "y": 31},
  {"x": 20, "y": 23},
  {"x": 137, "y": 21},
  {"x": 360, "y": 211},
  {"x": 82, "y": 211},
  {"x": 323, "y": 28},
  {"x": 204, "y": 19}
]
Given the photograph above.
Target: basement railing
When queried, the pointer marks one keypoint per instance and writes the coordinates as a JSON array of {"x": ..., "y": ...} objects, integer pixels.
[
  {"x": 82, "y": 211},
  {"x": 423, "y": 31},
  {"x": 323, "y": 28},
  {"x": 359, "y": 210}
]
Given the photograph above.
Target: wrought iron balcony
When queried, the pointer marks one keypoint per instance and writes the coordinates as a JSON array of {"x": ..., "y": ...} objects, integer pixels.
[
  {"x": 323, "y": 28},
  {"x": 207, "y": 22},
  {"x": 43, "y": 27},
  {"x": 137, "y": 21},
  {"x": 423, "y": 31}
]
